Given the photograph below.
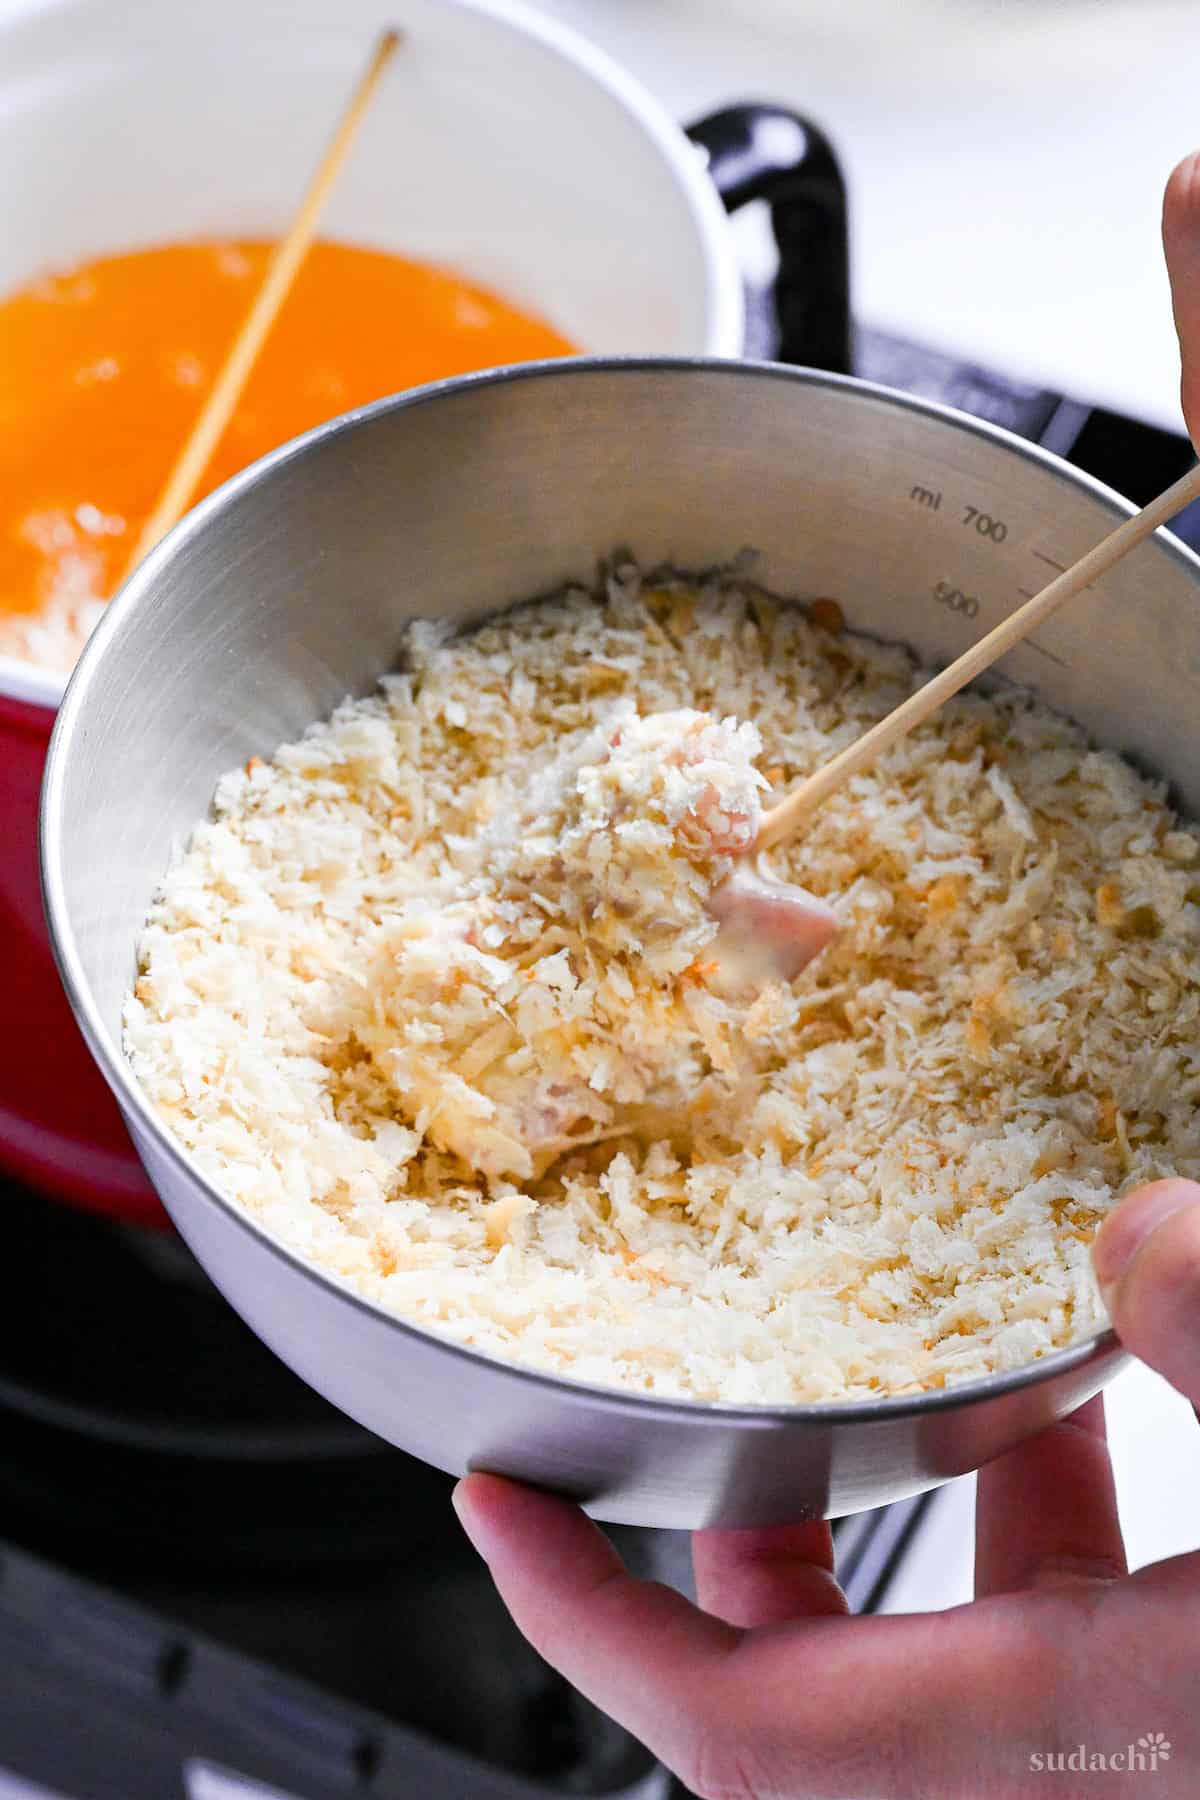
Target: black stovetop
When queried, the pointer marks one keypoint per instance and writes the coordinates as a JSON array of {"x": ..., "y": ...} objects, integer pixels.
[{"x": 296, "y": 1600}]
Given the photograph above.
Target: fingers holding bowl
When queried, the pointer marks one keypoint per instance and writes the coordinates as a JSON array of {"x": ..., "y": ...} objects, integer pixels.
[
  {"x": 814, "y": 1704},
  {"x": 1046, "y": 1513},
  {"x": 1181, "y": 243},
  {"x": 1147, "y": 1261},
  {"x": 638, "y": 1650},
  {"x": 767, "y": 1575}
]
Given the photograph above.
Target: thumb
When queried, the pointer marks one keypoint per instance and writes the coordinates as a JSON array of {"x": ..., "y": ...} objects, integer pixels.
[
  {"x": 1147, "y": 1261},
  {"x": 1181, "y": 242}
]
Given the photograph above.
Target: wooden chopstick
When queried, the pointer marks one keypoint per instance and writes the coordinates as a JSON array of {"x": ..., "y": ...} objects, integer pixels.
[
  {"x": 281, "y": 271},
  {"x": 791, "y": 811}
]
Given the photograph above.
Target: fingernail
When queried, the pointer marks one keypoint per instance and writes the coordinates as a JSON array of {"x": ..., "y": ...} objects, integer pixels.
[{"x": 1124, "y": 1233}]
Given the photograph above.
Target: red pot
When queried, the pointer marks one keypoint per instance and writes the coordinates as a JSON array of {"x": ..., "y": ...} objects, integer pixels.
[
  {"x": 127, "y": 123},
  {"x": 59, "y": 1125}
]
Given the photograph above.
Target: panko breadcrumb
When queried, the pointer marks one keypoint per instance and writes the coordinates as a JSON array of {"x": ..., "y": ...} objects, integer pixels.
[
  {"x": 632, "y": 833},
  {"x": 880, "y": 1178},
  {"x": 527, "y": 1018}
]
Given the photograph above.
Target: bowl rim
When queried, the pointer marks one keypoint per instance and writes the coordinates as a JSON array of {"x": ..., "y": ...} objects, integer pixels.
[
  {"x": 1100, "y": 1346},
  {"x": 34, "y": 684}
]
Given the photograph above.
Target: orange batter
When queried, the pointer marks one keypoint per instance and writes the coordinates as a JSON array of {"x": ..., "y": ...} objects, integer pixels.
[{"x": 103, "y": 369}]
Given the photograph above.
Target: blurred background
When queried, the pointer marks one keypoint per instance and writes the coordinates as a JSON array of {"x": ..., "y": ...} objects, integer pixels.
[{"x": 1006, "y": 159}]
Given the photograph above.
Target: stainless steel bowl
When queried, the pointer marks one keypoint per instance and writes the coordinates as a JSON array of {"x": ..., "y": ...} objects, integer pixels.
[{"x": 290, "y": 588}]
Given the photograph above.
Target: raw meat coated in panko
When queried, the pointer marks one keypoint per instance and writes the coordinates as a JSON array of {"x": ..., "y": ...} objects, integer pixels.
[{"x": 555, "y": 984}]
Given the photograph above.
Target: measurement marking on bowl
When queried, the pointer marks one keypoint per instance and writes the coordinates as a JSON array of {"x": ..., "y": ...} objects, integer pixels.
[
  {"x": 1029, "y": 594},
  {"x": 967, "y": 606},
  {"x": 955, "y": 600},
  {"x": 985, "y": 524},
  {"x": 1050, "y": 563},
  {"x": 1042, "y": 651}
]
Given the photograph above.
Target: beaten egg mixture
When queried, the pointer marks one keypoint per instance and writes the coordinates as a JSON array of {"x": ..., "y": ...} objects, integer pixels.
[{"x": 104, "y": 368}]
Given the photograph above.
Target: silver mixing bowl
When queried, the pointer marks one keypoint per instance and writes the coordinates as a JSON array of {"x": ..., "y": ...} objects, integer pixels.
[{"x": 290, "y": 587}]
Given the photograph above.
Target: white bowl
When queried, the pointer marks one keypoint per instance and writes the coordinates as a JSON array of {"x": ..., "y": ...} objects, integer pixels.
[{"x": 501, "y": 144}]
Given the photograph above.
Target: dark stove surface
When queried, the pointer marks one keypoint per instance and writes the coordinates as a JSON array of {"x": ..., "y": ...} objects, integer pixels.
[
  {"x": 156, "y": 1451},
  {"x": 117, "y": 1335},
  {"x": 154, "y": 1447}
]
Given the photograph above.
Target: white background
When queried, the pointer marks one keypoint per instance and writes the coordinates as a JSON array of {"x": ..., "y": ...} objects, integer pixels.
[{"x": 1006, "y": 158}]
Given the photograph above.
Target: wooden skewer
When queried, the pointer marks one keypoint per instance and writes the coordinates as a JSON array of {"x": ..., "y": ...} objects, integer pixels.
[
  {"x": 281, "y": 271},
  {"x": 783, "y": 819}
]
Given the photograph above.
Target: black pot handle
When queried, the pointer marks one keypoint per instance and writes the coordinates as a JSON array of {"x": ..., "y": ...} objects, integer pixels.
[{"x": 768, "y": 153}]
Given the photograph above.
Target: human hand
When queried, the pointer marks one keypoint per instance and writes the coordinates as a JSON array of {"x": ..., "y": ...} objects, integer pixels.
[
  {"x": 766, "y": 1690},
  {"x": 1181, "y": 245}
]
